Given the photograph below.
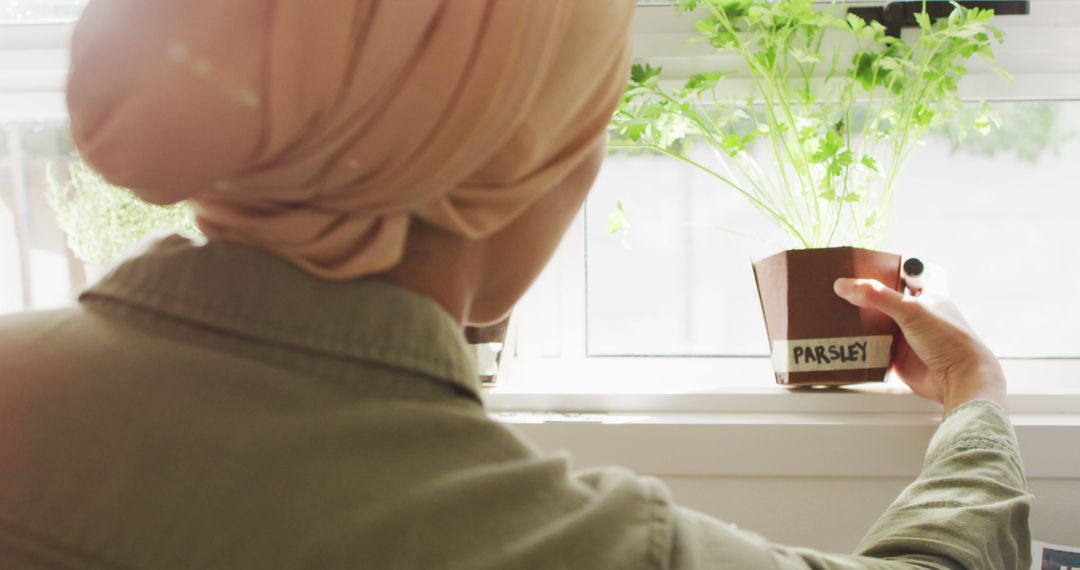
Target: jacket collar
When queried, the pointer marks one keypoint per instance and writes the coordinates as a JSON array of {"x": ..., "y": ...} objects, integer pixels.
[{"x": 248, "y": 292}]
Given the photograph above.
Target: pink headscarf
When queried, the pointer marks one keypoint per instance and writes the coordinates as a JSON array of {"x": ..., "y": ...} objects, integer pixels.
[{"x": 317, "y": 129}]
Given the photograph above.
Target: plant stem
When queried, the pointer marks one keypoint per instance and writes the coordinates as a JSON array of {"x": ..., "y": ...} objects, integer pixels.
[{"x": 761, "y": 205}]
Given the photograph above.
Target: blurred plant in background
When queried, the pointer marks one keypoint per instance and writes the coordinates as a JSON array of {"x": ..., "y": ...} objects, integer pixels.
[
  {"x": 103, "y": 222},
  {"x": 1027, "y": 131}
]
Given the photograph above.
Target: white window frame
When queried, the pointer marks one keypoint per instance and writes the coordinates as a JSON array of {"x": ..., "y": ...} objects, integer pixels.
[
  {"x": 547, "y": 368},
  {"x": 33, "y": 67}
]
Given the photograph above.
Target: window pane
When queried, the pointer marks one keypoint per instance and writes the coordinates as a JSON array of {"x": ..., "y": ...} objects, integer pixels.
[
  {"x": 997, "y": 213},
  {"x": 30, "y": 11},
  {"x": 36, "y": 268}
]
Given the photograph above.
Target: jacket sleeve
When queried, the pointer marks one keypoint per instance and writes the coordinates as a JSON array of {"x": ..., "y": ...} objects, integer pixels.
[{"x": 968, "y": 509}]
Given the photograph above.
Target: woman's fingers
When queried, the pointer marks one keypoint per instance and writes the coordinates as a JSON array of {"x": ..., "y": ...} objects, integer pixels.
[
  {"x": 914, "y": 372},
  {"x": 943, "y": 359},
  {"x": 871, "y": 293}
]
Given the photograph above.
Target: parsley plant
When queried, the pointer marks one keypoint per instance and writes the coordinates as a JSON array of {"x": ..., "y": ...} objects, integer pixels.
[{"x": 818, "y": 143}]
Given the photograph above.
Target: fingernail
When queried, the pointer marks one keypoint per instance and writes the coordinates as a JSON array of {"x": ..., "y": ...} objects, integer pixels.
[{"x": 844, "y": 287}]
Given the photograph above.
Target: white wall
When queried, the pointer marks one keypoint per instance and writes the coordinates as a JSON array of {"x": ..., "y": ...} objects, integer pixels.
[{"x": 820, "y": 486}]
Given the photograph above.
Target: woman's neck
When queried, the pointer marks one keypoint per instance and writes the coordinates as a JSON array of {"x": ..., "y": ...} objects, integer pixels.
[{"x": 438, "y": 265}]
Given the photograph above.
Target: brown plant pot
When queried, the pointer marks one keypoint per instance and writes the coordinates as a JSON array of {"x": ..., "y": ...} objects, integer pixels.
[{"x": 817, "y": 338}]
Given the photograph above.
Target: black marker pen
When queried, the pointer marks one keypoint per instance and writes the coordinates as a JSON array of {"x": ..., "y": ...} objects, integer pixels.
[{"x": 914, "y": 275}]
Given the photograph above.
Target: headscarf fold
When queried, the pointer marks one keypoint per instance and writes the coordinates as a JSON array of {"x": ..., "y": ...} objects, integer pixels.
[{"x": 317, "y": 130}]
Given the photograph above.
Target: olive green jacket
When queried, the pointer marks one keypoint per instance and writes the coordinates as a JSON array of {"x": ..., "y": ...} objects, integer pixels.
[{"x": 214, "y": 407}]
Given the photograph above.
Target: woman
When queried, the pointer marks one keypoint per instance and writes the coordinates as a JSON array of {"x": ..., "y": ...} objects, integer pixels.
[{"x": 296, "y": 393}]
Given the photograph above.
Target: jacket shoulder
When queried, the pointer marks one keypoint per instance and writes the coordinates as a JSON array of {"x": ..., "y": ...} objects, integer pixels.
[{"x": 36, "y": 344}]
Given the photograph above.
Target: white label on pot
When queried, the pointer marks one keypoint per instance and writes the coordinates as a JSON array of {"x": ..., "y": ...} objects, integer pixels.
[{"x": 847, "y": 353}]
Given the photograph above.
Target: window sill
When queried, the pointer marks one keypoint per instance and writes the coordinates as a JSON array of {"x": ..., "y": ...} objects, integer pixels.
[
  {"x": 742, "y": 385},
  {"x": 692, "y": 417},
  {"x": 712, "y": 417}
]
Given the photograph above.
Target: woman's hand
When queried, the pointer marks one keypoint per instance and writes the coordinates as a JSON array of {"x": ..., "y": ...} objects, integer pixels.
[{"x": 938, "y": 356}]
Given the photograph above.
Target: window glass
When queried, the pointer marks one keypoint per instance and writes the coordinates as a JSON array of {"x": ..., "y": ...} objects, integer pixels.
[
  {"x": 33, "y": 11},
  {"x": 38, "y": 270},
  {"x": 997, "y": 212}
]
